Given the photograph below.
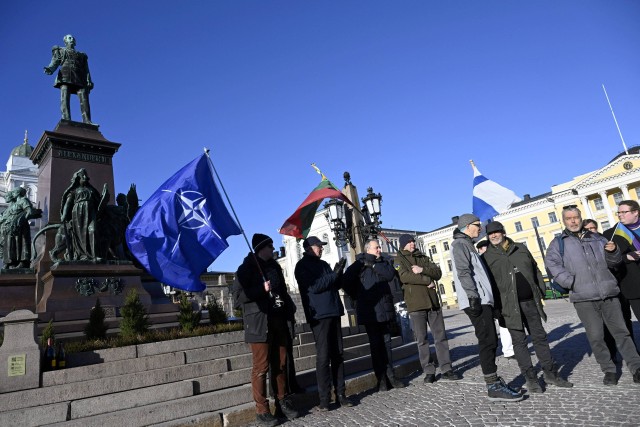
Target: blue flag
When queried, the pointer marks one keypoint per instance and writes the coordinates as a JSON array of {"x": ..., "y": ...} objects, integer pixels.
[
  {"x": 490, "y": 198},
  {"x": 182, "y": 228}
]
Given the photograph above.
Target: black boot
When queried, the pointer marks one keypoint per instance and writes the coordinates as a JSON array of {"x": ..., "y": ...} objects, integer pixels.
[
  {"x": 532, "y": 381},
  {"x": 552, "y": 377}
]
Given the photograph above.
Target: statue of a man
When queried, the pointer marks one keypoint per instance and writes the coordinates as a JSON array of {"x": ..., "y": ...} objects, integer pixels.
[
  {"x": 73, "y": 77},
  {"x": 15, "y": 230}
]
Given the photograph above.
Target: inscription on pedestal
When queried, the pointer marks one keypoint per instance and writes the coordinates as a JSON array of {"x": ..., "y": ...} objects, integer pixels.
[{"x": 109, "y": 310}]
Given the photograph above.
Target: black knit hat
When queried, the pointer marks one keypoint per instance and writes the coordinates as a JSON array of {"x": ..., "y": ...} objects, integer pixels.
[
  {"x": 404, "y": 239},
  {"x": 259, "y": 241}
]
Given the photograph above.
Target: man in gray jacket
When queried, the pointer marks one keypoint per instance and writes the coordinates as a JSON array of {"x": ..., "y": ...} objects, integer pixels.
[
  {"x": 476, "y": 300},
  {"x": 580, "y": 260}
]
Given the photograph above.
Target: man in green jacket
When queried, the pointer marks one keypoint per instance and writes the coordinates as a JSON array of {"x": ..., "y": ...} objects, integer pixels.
[
  {"x": 418, "y": 276},
  {"x": 521, "y": 289}
]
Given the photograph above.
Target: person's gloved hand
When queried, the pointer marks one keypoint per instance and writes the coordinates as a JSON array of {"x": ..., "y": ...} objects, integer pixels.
[
  {"x": 339, "y": 266},
  {"x": 475, "y": 308}
]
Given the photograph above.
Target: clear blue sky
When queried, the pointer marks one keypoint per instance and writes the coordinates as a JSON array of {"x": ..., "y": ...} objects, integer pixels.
[{"x": 399, "y": 93}]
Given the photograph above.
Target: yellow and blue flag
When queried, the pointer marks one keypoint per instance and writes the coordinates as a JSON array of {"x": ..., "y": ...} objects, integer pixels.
[{"x": 628, "y": 235}]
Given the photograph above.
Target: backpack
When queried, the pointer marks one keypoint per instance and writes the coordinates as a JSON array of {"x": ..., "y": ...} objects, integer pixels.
[{"x": 554, "y": 285}]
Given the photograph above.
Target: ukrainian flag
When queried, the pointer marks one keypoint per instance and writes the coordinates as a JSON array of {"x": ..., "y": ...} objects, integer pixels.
[{"x": 628, "y": 235}]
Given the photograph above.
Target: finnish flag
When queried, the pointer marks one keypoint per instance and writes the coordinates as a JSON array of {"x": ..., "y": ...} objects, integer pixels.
[{"x": 489, "y": 197}]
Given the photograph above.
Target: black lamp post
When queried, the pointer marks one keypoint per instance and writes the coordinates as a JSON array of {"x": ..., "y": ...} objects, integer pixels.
[{"x": 341, "y": 223}]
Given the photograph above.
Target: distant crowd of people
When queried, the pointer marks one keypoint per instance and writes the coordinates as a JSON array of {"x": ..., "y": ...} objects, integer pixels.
[{"x": 498, "y": 281}]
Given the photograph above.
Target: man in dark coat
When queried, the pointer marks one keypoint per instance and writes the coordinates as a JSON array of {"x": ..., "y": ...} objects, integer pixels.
[
  {"x": 521, "y": 289},
  {"x": 318, "y": 285},
  {"x": 367, "y": 282},
  {"x": 628, "y": 273},
  {"x": 418, "y": 276},
  {"x": 266, "y": 306}
]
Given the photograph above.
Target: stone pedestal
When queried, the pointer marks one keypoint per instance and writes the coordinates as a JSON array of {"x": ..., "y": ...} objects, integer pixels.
[
  {"x": 71, "y": 289},
  {"x": 58, "y": 155},
  {"x": 19, "y": 354},
  {"x": 18, "y": 290}
]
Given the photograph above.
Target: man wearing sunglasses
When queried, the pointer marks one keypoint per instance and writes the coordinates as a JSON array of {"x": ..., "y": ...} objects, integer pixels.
[
  {"x": 580, "y": 260},
  {"x": 476, "y": 300}
]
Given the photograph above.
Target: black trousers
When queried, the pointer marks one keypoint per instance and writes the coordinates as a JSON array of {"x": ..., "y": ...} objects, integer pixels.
[
  {"x": 532, "y": 321},
  {"x": 487, "y": 339},
  {"x": 379, "y": 334},
  {"x": 329, "y": 361}
]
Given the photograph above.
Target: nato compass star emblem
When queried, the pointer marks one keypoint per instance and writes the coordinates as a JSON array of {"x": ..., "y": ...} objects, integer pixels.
[{"x": 194, "y": 215}]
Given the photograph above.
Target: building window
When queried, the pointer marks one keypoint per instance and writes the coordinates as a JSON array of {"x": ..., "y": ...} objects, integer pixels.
[
  {"x": 327, "y": 247},
  {"x": 598, "y": 204},
  {"x": 433, "y": 250},
  {"x": 543, "y": 246},
  {"x": 638, "y": 192},
  {"x": 605, "y": 225},
  {"x": 453, "y": 286},
  {"x": 618, "y": 197},
  {"x": 552, "y": 217},
  {"x": 518, "y": 225},
  {"x": 449, "y": 265},
  {"x": 299, "y": 250},
  {"x": 441, "y": 286},
  {"x": 446, "y": 246},
  {"x": 534, "y": 222}
]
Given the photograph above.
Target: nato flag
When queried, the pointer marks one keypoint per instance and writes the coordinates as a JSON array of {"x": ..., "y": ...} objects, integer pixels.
[{"x": 182, "y": 228}]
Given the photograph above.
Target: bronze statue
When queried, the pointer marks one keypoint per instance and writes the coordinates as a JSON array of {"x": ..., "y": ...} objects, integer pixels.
[
  {"x": 15, "y": 231},
  {"x": 90, "y": 229},
  {"x": 73, "y": 77},
  {"x": 81, "y": 203}
]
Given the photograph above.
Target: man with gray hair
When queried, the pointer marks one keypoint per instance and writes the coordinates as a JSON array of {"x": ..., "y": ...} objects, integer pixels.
[
  {"x": 579, "y": 260},
  {"x": 476, "y": 300}
]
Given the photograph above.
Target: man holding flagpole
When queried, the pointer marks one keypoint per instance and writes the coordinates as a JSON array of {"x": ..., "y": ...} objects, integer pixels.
[
  {"x": 266, "y": 306},
  {"x": 626, "y": 235}
]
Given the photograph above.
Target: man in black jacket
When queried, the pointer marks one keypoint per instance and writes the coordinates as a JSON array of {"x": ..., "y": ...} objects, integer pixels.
[
  {"x": 367, "y": 282},
  {"x": 319, "y": 285},
  {"x": 266, "y": 307},
  {"x": 521, "y": 289}
]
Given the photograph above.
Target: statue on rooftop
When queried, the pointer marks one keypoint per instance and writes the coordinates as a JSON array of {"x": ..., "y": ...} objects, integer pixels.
[{"x": 73, "y": 77}]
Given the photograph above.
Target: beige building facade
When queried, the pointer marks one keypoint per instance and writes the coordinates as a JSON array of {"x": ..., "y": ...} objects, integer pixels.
[{"x": 596, "y": 194}]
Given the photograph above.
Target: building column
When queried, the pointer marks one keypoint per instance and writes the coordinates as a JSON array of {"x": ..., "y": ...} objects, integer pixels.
[
  {"x": 587, "y": 208},
  {"x": 625, "y": 191},
  {"x": 607, "y": 207}
]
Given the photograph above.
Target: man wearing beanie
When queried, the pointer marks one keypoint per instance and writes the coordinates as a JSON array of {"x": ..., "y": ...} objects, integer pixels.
[
  {"x": 418, "y": 276},
  {"x": 319, "y": 285},
  {"x": 521, "y": 290},
  {"x": 266, "y": 304},
  {"x": 476, "y": 300}
]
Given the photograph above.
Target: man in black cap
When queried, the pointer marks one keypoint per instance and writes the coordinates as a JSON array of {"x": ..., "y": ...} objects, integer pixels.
[
  {"x": 418, "y": 275},
  {"x": 521, "y": 290},
  {"x": 261, "y": 289},
  {"x": 318, "y": 285}
]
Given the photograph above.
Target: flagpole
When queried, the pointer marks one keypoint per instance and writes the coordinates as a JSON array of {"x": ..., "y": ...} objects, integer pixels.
[
  {"x": 214, "y": 173},
  {"x": 616, "y": 121}
]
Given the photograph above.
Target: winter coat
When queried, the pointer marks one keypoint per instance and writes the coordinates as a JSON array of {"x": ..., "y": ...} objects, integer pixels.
[
  {"x": 318, "y": 286},
  {"x": 257, "y": 305},
  {"x": 417, "y": 293},
  {"x": 628, "y": 272},
  {"x": 367, "y": 281},
  {"x": 502, "y": 265},
  {"x": 469, "y": 271},
  {"x": 584, "y": 268}
]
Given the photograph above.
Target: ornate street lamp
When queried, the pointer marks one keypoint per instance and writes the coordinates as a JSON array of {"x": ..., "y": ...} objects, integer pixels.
[
  {"x": 335, "y": 218},
  {"x": 341, "y": 223}
]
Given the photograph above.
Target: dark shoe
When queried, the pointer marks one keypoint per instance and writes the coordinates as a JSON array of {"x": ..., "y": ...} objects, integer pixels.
[
  {"x": 429, "y": 379},
  {"x": 610, "y": 378},
  {"x": 636, "y": 376},
  {"x": 344, "y": 401},
  {"x": 499, "y": 391},
  {"x": 532, "y": 381},
  {"x": 287, "y": 409},
  {"x": 266, "y": 419},
  {"x": 322, "y": 407},
  {"x": 382, "y": 385},
  {"x": 451, "y": 376},
  {"x": 396, "y": 383},
  {"x": 553, "y": 378}
]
